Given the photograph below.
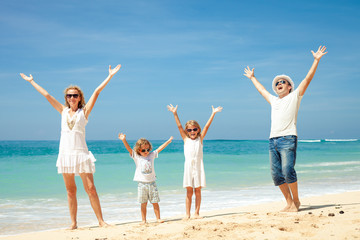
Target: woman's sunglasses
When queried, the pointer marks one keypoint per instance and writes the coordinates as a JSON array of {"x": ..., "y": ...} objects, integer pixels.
[
  {"x": 72, "y": 95},
  {"x": 145, "y": 150},
  {"x": 281, "y": 81},
  {"x": 192, "y": 130}
]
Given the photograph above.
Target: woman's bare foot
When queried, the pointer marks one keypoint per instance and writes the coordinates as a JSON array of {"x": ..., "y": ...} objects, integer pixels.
[
  {"x": 103, "y": 224},
  {"x": 160, "y": 221},
  {"x": 73, "y": 226}
]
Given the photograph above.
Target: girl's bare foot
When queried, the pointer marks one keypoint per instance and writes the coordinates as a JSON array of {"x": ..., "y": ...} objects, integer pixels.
[
  {"x": 143, "y": 222},
  {"x": 160, "y": 220},
  {"x": 187, "y": 217},
  {"x": 197, "y": 216}
]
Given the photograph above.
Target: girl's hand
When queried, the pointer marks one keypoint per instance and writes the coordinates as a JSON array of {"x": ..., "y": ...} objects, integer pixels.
[
  {"x": 216, "y": 110},
  {"x": 115, "y": 70},
  {"x": 249, "y": 73},
  {"x": 171, "y": 138},
  {"x": 29, "y": 79},
  {"x": 320, "y": 52},
  {"x": 171, "y": 108},
  {"x": 122, "y": 136}
]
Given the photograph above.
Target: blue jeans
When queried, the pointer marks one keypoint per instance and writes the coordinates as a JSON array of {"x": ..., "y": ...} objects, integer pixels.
[{"x": 282, "y": 151}]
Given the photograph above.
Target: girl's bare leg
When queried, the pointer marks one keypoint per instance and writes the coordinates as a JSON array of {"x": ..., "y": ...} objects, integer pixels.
[
  {"x": 197, "y": 202},
  {"x": 189, "y": 193},
  {"x": 89, "y": 186},
  {"x": 69, "y": 180}
]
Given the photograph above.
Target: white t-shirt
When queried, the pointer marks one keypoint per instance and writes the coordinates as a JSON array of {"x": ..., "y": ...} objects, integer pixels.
[
  {"x": 145, "y": 171},
  {"x": 284, "y": 114}
]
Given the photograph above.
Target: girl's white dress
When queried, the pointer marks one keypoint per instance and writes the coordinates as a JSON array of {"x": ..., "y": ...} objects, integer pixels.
[
  {"x": 194, "y": 173},
  {"x": 74, "y": 156}
]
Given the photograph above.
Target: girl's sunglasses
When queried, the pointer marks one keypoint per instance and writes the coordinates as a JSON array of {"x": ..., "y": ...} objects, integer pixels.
[
  {"x": 192, "y": 130},
  {"x": 145, "y": 150},
  {"x": 281, "y": 81},
  {"x": 72, "y": 95}
]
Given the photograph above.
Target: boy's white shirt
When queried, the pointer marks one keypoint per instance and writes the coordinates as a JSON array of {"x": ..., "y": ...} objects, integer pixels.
[{"x": 145, "y": 171}]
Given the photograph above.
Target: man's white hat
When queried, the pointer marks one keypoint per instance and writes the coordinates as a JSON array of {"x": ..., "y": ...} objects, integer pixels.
[{"x": 285, "y": 77}]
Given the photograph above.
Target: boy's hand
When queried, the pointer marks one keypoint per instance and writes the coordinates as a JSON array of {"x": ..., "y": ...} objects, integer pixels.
[{"x": 122, "y": 136}]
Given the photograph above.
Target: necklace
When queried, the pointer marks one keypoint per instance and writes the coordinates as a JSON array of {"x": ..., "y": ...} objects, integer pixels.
[{"x": 71, "y": 122}]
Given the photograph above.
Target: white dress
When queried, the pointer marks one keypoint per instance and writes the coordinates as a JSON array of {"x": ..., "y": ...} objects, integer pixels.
[
  {"x": 74, "y": 156},
  {"x": 194, "y": 173}
]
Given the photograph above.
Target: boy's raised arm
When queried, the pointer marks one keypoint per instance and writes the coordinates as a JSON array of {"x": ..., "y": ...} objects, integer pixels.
[
  {"x": 122, "y": 137},
  {"x": 164, "y": 145}
]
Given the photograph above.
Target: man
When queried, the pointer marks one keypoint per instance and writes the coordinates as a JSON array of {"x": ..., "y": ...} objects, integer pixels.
[{"x": 283, "y": 135}]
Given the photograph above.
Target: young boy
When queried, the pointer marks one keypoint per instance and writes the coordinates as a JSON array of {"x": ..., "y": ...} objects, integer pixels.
[{"x": 145, "y": 173}]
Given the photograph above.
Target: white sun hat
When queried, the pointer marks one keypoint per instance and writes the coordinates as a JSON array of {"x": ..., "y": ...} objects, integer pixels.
[{"x": 285, "y": 77}]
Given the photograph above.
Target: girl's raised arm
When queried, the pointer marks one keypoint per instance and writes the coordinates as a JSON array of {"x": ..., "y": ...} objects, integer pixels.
[
  {"x": 122, "y": 137},
  {"x": 90, "y": 104},
  {"x": 206, "y": 128},
  {"x": 55, "y": 103},
  {"x": 164, "y": 145},
  {"x": 173, "y": 109}
]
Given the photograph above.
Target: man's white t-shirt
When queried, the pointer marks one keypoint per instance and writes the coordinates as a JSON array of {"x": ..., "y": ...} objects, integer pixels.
[
  {"x": 284, "y": 114},
  {"x": 145, "y": 171}
]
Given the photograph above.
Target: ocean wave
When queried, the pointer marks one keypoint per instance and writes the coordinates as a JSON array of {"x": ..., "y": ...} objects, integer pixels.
[
  {"x": 329, "y": 164},
  {"x": 310, "y": 141},
  {"x": 341, "y": 140}
]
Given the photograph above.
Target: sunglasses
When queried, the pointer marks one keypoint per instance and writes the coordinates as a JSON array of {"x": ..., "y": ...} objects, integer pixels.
[
  {"x": 192, "y": 130},
  {"x": 145, "y": 150},
  {"x": 281, "y": 81},
  {"x": 72, "y": 95}
]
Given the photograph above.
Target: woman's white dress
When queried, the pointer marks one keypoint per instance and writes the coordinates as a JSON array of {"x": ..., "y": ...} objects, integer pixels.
[
  {"x": 74, "y": 156},
  {"x": 194, "y": 173}
]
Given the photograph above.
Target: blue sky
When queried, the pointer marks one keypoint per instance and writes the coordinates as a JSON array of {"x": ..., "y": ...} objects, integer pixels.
[{"x": 187, "y": 53}]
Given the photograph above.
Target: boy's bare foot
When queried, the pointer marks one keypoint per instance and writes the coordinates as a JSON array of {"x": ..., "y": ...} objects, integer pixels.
[{"x": 160, "y": 220}]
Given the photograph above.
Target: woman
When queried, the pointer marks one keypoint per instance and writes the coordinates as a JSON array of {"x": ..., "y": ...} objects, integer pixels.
[{"x": 74, "y": 157}]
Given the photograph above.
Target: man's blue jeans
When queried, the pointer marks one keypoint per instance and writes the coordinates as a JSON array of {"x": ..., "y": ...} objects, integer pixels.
[{"x": 282, "y": 151}]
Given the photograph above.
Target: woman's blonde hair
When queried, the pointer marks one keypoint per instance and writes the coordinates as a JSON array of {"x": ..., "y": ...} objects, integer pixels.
[
  {"x": 139, "y": 143},
  {"x": 81, "y": 95},
  {"x": 192, "y": 123}
]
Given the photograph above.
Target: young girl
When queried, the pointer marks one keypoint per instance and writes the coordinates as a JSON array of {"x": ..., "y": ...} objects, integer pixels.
[
  {"x": 194, "y": 174},
  {"x": 74, "y": 157},
  {"x": 145, "y": 173}
]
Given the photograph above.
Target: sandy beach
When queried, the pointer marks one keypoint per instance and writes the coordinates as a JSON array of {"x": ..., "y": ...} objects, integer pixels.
[{"x": 334, "y": 216}]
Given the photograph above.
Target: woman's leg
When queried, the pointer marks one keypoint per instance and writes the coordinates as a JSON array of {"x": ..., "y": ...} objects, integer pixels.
[
  {"x": 89, "y": 186},
  {"x": 69, "y": 180}
]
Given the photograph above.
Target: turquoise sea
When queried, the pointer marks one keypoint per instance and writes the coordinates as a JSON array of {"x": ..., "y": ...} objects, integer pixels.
[{"x": 33, "y": 195}]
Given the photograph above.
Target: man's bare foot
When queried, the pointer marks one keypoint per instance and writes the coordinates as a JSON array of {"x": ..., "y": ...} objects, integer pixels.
[
  {"x": 291, "y": 208},
  {"x": 160, "y": 220}
]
